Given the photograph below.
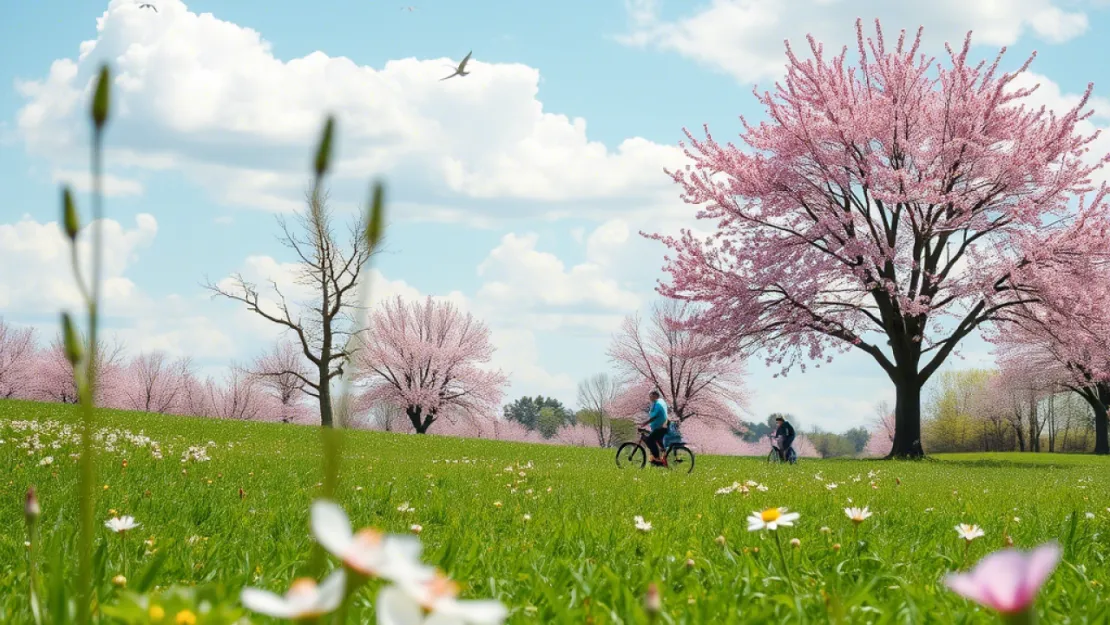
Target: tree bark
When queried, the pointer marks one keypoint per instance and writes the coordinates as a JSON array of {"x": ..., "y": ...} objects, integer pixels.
[
  {"x": 420, "y": 422},
  {"x": 907, "y": 418},
  {"x": 1098, "y": 397}
]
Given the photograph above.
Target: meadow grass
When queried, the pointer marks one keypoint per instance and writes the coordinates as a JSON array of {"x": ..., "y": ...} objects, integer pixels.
[{"x": 579, "y": 558}]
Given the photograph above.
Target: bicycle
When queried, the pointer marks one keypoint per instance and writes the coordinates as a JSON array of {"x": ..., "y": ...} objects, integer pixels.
[
  {"x": 677, "y": 454},
  {"x": 775, "y": 458}
]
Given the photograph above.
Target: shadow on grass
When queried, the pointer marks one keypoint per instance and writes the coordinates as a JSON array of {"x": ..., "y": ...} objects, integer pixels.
[{"x": 1006, "y": 464}]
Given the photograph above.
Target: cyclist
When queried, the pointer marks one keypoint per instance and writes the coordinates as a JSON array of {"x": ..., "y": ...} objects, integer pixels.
[
  {"x": 657, "y": 423},
  {"x": 784, "y": 436}
]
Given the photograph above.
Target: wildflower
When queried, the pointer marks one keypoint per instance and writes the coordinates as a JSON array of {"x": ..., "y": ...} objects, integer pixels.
[
  {"x": 1017, "y": 519},
  {"x": 408, "y": 602},
  {"x": 119, "y": 581},
  {"x": 653, "y": 603},
  {"x": 825, "y": 530},
  {"x": 641, "y": 524},
  {"x": 31, "y": 509},
  {"x": 157, "y": 613},
  {"x": 497, "y": 504},
  {"x": 751, "y": 483},
  {"x": 720, "y": 540},
  {"x": 771, "y": 519},
  {"x": 857, "y": 515},
  {"x": 690, "y": 563},
  {"x": 121, "y": 524},
  {"x": 368, "y": 552},
  {"x": 761, "y": 488},
  {"x": 969, "y": 532},
  {"x": 795, "y": 543},
  {"x": 527, "y": 517},
  {"x": 1007, "y": 581},
  {"x": 831, "y": 486},
  {"x": 47, "y": 461},
  {"x": 836, "y": 547},
  {"x": 303, "y": 600},
  {"x": 416, "y": 528},
  {"x": 1090, "y": 515},
  {"x": 185, "y": 617},
  {"x": 405, "y": 507}
]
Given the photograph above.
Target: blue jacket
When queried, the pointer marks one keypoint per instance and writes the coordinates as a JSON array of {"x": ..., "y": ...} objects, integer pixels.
[{"x": 657, "y": 418}]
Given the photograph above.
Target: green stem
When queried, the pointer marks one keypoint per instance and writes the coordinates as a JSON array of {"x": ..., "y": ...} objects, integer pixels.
[
  {"x": 782, "y": 556},
  {"x": 32, "y": 572},
  {"x": 1027, "y": 617}
]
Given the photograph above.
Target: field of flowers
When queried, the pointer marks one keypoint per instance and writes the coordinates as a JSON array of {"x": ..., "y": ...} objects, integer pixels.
[{"x": 551, "y": 532}]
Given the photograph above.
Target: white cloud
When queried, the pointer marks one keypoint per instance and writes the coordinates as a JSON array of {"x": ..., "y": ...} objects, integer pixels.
[
  {"x": 519, "y": 275},
  {"x": 744, "y": 38},
  {"x": 209, "y": 98},
  {"x": 112, "y": 186}
]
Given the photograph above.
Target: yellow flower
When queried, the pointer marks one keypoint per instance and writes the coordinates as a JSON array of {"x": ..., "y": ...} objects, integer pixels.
[
  {"x": 156, "y": 613},
  {"x": 119, "y": 580},
  {"x": 185, "y": 617}
]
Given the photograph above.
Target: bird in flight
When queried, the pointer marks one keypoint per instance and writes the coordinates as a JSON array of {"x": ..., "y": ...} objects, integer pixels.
[
  {"x": 409, "y": 9},
  {"x": 149, "y": 6},
  {"x": 461, "y": 69}
]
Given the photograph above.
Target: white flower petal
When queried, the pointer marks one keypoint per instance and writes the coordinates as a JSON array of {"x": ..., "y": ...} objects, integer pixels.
[
  {"x": 331, "y": 591},
  {"x": 265, "y": 602},
  {"x": 394, "y": 607},
  {"x": 474, "y": 612},
  {"x": 331, "y": 527}
]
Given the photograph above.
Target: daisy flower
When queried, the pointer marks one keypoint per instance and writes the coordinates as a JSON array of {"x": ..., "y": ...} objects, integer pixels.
[
  {"x": 771, "y": 519},
  {"x": 641, "y": 524},
  {"x": 435, "y": 601},
  {"x": 857, "y": 515},
  {"x": 969, "y": 532},
  {"x": 368, "y": 552},
  {"x": 121, "y": 524}
]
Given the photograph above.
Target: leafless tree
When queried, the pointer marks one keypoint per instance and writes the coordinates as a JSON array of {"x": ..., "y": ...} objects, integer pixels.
[
  {"x": 596, "y": 396},
  {"x": 237, "y": 398},
  {"x": 322, "y": 325}
]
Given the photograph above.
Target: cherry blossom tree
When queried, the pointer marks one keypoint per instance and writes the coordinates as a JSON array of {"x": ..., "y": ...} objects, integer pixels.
[
  {"x": 18, "y": 354},
  {"x": 281, "y": 372},
  {"x": 53, "y": 374},
  {"x": 885, "y": 207},
  {"x": 429, "y": 358},
  {"x": 882, "y": 433},
  {"x": 709, "y": 437},
  {"x": 696, "y": 380},
  {"x": 238, "y": 397},
  {"x": 151, "y": 382}
]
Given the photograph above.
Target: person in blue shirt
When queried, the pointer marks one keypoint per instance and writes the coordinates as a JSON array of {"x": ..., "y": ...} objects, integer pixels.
[{"x": 657, "y": 423}]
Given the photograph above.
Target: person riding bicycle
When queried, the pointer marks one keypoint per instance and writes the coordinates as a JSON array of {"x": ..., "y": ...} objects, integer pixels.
[
  {"x": 784, "y": 435},
  {"x": 657, "y": 423}
]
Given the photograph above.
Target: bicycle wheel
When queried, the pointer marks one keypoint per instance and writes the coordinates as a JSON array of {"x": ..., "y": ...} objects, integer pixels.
[
  {"x": 631, "y": 455},
  {"x": 680, "y": 457},
  {"x": 773, "y": 457}
]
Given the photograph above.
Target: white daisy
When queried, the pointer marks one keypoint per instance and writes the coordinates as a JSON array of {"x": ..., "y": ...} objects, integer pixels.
[
  {"x": 303, "y": 600},
  {"x": 641, "y": 524},
  {"x": 771, "y": 519},
  {"x": 121, "y": 524},
  {"x": 969, "y": 532},
  {"x": 858, "y": 515}
]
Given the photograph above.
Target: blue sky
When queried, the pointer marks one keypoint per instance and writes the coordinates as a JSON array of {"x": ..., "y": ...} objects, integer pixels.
[{"x": 499, "y": 198}]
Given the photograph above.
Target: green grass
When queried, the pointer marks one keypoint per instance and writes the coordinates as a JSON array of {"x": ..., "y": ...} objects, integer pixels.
[{"x": 579, "y": 559}]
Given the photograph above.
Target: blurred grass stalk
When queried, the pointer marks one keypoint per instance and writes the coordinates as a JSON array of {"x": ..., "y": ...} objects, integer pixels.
[{"x": 84, "y": 360}]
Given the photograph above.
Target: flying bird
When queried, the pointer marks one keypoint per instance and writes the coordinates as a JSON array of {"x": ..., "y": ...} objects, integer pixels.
[
  {"x": 409, "y": 9},
  {"x": 149, "y": 6},
  {"x": 461, "y": 69}
]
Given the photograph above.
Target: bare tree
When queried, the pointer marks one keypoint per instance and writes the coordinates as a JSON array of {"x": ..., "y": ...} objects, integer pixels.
[
  {"x": 322, "y": 325},
  {"x": 282, "y": 371},
  {"x": 596, "y": 396},
  {"x": 239, "y": 397}
]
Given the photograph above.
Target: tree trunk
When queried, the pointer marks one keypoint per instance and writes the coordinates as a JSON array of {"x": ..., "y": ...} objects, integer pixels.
[
  {"x": 1102, "y": 445},
  {"x": 326, "y": 414},
  {"x": 420, "y": 423},
  {"x": 907, "y": 418}
]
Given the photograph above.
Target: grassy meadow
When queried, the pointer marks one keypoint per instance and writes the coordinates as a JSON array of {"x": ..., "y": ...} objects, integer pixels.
[{"x": 577, "y": 557}]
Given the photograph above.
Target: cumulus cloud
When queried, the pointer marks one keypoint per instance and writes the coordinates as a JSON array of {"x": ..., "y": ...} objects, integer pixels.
[
  {"x": 209, "y": 98},
  {"x": 744, "y": 38},
  {"x": 111, "y": 186}
]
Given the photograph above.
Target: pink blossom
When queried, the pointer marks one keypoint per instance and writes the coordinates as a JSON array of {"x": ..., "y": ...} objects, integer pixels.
[
  {"x": 18, "y": 354},
  {"x": 1007, "y": 581},
  {"x": 431, "y": 360},
  {"x": 890, "y": 196}
]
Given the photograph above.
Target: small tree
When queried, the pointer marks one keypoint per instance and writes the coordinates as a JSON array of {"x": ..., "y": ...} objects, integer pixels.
[
  {"x": 427, "y": 358},
  {"x": 282, "y": 372},
  {"x": 597, "y": 395},
  {"x": 239, "y": 397},
  {"x": 322, "y": 325},
  {"x": 153, "y": 383},
  {"x": 695, "y": 379},
  {"x": 18, "y": 355},
  {"x": 54, "y": 380},
  {"x": 526, "y": 411}
]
